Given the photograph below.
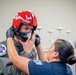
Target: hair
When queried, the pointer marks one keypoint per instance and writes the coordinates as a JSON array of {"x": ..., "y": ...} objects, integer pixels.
[
  {"x": 20, "y": 26},
  {"x": 66, "y": 51}
]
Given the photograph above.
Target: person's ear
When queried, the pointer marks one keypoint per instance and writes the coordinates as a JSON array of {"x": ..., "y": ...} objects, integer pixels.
[{"x": 56, "y": 54}]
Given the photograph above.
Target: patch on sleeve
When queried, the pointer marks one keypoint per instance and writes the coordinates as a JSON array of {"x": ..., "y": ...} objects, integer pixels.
[
  {"x": 38, "y": 62},
  {"x": 2, "y": 49}
]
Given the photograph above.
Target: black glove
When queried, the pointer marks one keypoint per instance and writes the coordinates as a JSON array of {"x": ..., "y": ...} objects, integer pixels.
[
  {"x": 37, "y": 41},
  {"x": 9, "y": 33}
]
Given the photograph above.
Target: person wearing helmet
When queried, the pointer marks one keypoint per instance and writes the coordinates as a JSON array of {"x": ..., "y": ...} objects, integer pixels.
[{"x": 23, "y": 25}]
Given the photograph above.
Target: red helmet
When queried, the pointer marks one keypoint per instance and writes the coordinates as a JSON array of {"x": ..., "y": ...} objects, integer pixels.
[{"x": 25, "y": 17}]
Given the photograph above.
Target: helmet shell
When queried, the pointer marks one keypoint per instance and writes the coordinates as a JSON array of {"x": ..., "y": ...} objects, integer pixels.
[{"x": 25, "y": 17}]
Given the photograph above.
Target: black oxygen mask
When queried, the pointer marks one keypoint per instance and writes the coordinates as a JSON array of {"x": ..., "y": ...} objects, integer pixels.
[{"x": 23, "y": 36}]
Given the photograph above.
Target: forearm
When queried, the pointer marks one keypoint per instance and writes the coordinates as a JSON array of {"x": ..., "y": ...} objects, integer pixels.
[
  {"x": 41, "y": 53},
  {"x": 11, "y": 49}
]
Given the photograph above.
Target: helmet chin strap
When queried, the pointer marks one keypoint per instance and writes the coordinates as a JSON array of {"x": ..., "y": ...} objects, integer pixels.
[
  {"x": 34, "y": 28},
  {"x": 32, "y": 34}
]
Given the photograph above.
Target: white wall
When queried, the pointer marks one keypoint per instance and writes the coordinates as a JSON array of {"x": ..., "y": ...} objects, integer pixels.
[{"x": 50, "y": 13}]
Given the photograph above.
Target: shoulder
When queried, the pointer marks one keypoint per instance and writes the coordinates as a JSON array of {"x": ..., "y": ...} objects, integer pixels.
[
  {"x": 3, "y": 42},
  {"x": 37, "y": 63},
  {"x": 3, "y": 48}
]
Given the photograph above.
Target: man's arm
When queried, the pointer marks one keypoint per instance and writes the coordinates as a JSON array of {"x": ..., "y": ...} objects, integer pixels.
[{"x": 20, "y": 62}]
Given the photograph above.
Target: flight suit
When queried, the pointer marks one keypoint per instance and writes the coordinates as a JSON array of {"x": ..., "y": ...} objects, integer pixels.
[{"x": 11, "y": 69}]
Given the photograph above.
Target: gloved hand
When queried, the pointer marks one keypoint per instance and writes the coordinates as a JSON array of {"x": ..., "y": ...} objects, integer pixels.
[
  {"x": 37, "y": 41},
  {"x": 9, "y": 33}
]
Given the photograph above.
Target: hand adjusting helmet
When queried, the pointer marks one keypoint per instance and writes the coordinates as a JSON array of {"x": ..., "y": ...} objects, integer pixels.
[{"x": 24, "y": 17}]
